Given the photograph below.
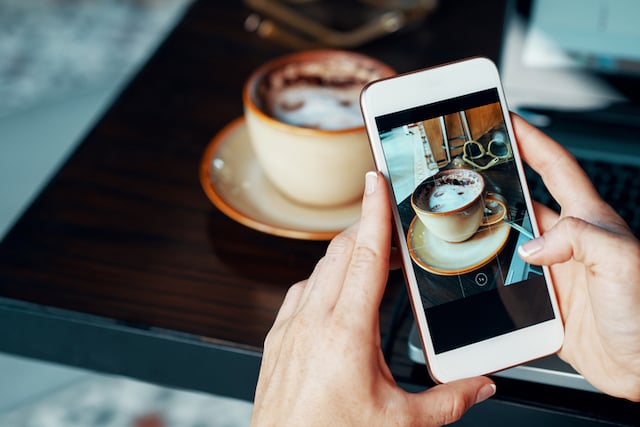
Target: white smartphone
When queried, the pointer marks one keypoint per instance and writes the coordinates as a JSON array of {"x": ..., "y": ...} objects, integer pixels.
[{"x": 443, "y": 139}]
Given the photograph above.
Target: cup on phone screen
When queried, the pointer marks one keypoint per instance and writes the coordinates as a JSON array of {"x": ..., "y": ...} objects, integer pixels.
[
  {"x": 303, "y": 115},
  {"x": 452, "y": 203}
]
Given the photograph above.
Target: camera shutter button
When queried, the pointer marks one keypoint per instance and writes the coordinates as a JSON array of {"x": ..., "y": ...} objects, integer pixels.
[{"x": 481, "y": 279}]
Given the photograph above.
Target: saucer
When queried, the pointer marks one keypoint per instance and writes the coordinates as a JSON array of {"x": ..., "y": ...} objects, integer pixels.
[
  {"x": 447, "y": 259},
  {"x": 235, "y": 183}
]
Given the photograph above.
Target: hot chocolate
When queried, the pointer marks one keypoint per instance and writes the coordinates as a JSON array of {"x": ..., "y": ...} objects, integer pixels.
[
  {"x": 303, "y": 115},
  {"x": 321, "y": 94},
  {"x": 451, "y": 192},
  {"x": 452, "y": 206}
]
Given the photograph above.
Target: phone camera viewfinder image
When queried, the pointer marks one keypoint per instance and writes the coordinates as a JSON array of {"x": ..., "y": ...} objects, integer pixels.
[{"x": 463, "y": 212}]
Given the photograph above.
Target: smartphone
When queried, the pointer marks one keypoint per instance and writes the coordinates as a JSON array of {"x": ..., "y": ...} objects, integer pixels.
[{"x": 443, "y": 139}]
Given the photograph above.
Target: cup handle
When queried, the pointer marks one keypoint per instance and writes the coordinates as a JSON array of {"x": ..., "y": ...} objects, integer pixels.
[{"x": 496, "y": 206}]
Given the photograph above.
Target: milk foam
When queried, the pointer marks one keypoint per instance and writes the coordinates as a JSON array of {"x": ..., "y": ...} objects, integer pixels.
[
  {"x": 318, "y": 107},
  {"x": 447, "y": 197},
  {"x": 318, "y": 94}
]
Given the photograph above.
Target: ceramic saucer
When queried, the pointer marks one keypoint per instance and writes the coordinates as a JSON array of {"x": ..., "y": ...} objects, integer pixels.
[
  {"x": 440, "y": 257},
  {"x": 234, "y": 182}
]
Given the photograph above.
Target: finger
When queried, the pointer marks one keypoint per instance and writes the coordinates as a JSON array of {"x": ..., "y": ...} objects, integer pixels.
[
  {"x": 368, "y": 269},
  {"x": 560, "y": 172},
  {"x": 572, "y": 238},
  {"x": 325, "y": 283},
  {"x": 447, "y": 403},
  {"x": 595, "y": 249}
]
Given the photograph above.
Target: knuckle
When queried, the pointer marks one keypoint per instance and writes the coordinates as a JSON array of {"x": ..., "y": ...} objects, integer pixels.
[
  {"x": 573, "y": 228},
  {"x": 573, "y": 224},
  {"x": 363, "y": 257},
  {"x": 341, "y": 244},
  {"x": 269, "y": 338},
  {"x": 455, "y": 408},
  {"x": 576, "y": 223},
  {"x": 296, "y": 288},
  {"x": 451, "y": 406}
]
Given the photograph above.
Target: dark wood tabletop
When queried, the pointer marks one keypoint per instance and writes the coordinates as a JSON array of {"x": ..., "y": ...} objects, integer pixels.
[{"x": 122, "y": 252}]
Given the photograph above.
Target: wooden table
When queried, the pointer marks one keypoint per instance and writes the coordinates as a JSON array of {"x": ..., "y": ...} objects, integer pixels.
[{"x": 123, "y": 265}]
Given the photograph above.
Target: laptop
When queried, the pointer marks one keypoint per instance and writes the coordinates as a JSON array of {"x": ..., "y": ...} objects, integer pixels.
[{"x": 572, "y": 68}]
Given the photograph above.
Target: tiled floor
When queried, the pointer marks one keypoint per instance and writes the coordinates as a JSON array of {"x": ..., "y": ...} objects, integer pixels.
[
  {"x": 62, "y": 63},
  {"x": 61, "y": 397}
]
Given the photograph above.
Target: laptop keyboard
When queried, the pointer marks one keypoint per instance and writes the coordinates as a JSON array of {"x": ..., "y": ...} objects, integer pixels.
[{"x": 618, "y": 185}]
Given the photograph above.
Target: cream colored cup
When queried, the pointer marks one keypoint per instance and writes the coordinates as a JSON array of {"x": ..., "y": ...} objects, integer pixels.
[
  {"x": 452, "y": 203},
  {"x": 311, "y": 165}
]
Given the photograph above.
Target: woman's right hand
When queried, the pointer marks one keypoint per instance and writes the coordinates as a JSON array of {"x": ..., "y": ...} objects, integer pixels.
[{"x": 594, "y": 261}]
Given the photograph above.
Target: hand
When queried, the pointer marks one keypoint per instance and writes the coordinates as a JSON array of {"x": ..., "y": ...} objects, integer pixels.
[
  {"x": 322, "y": 362},
  {"x": 595, "y": 267}
]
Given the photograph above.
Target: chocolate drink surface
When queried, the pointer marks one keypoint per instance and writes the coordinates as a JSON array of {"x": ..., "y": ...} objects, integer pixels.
[
  {"x": 320, "y": 94},
  {"x": 450, "y": 192}
]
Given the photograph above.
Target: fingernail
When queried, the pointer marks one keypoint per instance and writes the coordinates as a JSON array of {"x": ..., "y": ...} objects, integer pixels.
[
  {"x": 371, "y": 181},
  {"x": 531, "y": 247},
  {"x": 485, "y": 392}
]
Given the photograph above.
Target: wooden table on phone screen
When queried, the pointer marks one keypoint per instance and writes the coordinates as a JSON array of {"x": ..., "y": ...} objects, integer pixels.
[{"x": 123, "y": 265}]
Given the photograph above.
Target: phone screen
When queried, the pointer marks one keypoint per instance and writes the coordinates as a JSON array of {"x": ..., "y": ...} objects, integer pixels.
[{"x": 446, "y": 161}]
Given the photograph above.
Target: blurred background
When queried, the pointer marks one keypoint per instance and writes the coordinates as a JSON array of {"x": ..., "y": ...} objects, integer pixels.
[{"x": 62, "y": 62}]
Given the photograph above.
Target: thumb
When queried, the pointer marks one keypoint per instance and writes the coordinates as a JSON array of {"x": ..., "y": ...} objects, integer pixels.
[
  {"x": 447, "y": 403},
  {"x": 564, "y": 241}
]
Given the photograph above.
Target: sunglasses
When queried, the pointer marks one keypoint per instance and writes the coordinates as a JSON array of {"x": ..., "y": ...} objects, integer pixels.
[{"x": 497, "y": 151}]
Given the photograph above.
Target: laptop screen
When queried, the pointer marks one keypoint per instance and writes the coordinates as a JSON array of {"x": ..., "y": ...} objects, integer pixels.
[
  {"x": 599, "y": 35},
  {"x": 574, "y": 54}
]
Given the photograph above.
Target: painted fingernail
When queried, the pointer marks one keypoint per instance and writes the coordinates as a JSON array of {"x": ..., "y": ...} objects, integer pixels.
[
  {"x": 485, "y": 392},
  {"x": 531, "y": 247},
  {"x": 371, "y": 181}
]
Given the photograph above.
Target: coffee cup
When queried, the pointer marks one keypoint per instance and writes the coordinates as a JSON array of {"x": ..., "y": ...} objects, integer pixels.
[
  {"x": 452, "y": 203},
  {"x": 304, "y": 121}
]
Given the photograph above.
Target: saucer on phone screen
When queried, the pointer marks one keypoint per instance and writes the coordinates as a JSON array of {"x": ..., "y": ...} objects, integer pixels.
[
  {"x": 234, "y": 182},
  {"x": 447, "y": 259}
]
